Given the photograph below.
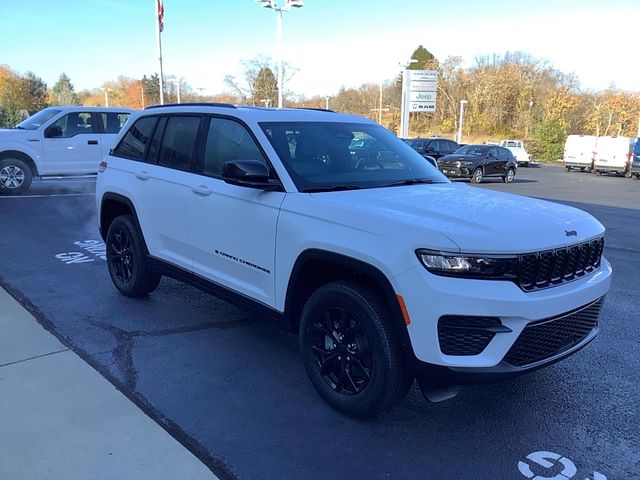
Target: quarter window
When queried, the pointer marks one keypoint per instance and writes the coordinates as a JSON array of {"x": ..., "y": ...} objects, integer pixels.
[
  {"x": 228, "y": 140},
  {"x": 179, "y": 142},
  {"x": 135, "y": 141}
]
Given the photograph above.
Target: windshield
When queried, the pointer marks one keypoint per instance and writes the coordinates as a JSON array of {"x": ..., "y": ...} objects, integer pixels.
[
  {"x": 34, "y": 121},
  {"x": 478, "y": 150},
  {"x": 334, "y": 156}
]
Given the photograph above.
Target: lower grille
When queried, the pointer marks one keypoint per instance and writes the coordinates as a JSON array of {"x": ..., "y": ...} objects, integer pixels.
[
  {"x": 546, "y": 338},
  {"x": 459, "y": 335}
]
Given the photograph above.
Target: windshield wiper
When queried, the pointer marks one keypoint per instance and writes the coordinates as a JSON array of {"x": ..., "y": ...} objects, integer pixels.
[
  {"x": 409, "y": 181},
  {"x": 332, "y": 188}
]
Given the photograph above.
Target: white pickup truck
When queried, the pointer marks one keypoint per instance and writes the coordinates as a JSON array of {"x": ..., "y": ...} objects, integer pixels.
[
  {"x": 57, "y": 142},
  {"x": 517, "y": 149}
]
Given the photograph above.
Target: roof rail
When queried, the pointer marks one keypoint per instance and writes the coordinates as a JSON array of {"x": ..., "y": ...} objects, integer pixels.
[
  {"x": 312, "y": 108},
  {"x": 195, "y": 104}
]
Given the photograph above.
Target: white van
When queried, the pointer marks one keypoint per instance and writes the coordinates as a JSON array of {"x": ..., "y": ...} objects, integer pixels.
[
  {"x": 579, "y": 152},
  {"x": 613, "y": 155}
]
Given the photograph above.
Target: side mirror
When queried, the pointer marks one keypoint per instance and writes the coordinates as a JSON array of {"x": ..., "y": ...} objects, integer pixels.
[
  {"x": 249, "y": 173},
  {"x": 53, "y": 131}
]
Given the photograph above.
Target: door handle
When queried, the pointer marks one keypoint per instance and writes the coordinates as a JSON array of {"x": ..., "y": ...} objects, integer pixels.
[
  {"x": 201, "y": 190},
  {"x": 143, "y": 175},
  {"x": 92, "y": 142}
]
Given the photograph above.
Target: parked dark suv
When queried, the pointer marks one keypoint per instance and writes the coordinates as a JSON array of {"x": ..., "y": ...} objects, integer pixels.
[
  {"x": 478, "y": 161},
  {"x": 634, "y": 171},
  {"x": 433, "y": 147}
]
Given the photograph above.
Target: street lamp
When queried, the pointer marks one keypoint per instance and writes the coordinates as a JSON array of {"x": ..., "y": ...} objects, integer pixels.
[
  {"x": 106, "y": 95},
  {"x": 462, "y": 104},
  {"x": 266, "y": 101},
  {"x": 273, "y": 5},
  {"x": 326, "y": 102},
  {"x": 177, "y": 84},
  {"x": 404, "y": 111}
]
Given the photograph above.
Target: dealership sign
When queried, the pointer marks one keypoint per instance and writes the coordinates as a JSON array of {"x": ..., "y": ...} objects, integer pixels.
[{"x": 422, "y": 87}]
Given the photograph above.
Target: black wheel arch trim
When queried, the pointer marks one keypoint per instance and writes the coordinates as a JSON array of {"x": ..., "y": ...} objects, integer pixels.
[
  {"x": 111, "y": 196},
  {"x": 356, "y": 266}
]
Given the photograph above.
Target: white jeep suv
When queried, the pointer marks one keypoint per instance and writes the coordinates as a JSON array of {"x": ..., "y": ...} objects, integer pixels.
[
  {"x": 57, "y": 142},
  {"x": 387, "y": 270}
]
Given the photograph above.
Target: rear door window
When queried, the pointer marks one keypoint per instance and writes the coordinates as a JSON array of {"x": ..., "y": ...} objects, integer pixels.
[
  {"x": 179, "y": 142},
  {"x": 134, "y": 144},
  {"x": 111, "y": 122}
]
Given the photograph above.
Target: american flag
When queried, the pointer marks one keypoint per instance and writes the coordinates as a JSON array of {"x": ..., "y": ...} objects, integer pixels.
[{"x": 160, "y": 9}]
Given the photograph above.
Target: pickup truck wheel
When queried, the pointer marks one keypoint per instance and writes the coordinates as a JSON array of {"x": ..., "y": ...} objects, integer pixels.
[
  {"x": 15, "y": 176},
  {"x": 476, "y": 176},
  {"x": 508, "y": 178},
  {"x": 349, "y": 350},
  {"x": 568, "y": 169},
  {"x": 126, "y": 259}
]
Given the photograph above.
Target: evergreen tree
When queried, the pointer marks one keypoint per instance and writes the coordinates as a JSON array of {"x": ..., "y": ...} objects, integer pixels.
[
  {"x": 63, "y": 92},
  {"x": 265, "y": 87}
]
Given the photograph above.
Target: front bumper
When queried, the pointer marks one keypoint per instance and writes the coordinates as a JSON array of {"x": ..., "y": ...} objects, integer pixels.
[
  {"x": 429, "y": 297},
  {"x": 456, "y": 172}
]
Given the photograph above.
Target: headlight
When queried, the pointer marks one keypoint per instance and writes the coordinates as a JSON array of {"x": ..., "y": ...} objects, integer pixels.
[{"x": 469, "y": 266}]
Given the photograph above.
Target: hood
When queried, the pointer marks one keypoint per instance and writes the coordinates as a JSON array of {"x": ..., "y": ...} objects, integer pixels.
[{"x": 474, "y": 219}]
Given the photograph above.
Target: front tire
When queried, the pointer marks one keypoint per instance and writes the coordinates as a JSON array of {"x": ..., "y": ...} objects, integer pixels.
[
  {"x": 508, "y": 178},
  {"x": 476, "y": 176},
  {"x": 126, "y": 259},
  {"x": 350, "y": 351},
  {"x": 15, "y": 176}
]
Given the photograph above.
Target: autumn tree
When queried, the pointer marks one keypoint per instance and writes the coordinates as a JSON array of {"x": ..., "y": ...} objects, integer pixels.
[
  {"x": 20, "y": 96},
  {"x": 63, "y": 91}
]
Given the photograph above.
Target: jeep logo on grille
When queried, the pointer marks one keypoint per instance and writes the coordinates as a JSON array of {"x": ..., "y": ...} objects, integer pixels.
[{"x": 571, "y": 233}]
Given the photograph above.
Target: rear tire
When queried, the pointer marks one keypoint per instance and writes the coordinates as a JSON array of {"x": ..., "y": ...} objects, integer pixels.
[
  {"x": 127, "y": 260},
  {"x": 476, "y": 176},
  {"x": 568, "y": 169},
  {"x": 350, "y": 351},
  {"x": 15, "y": 176}
]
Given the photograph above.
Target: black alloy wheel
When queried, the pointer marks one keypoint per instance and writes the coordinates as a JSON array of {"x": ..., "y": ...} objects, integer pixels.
[
  {"x": 342, "y": 351},
  {"x": 126, "y": 259},
  {"x": 350, "y": 350},
  {"x": 122, "y": 255}
]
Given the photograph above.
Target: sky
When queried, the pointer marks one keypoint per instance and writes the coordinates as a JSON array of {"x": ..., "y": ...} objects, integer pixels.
[{"x": 330, "y": 43}]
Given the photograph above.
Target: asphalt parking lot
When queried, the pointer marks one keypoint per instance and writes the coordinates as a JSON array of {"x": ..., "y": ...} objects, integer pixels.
[{"x": 231, "y": 387}]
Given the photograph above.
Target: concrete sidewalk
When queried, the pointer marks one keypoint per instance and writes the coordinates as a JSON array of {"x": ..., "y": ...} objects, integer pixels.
[{"x": 60, "y": 419}]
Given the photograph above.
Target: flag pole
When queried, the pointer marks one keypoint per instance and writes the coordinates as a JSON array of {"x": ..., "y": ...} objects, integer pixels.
[{"x": 159, "y": 28}]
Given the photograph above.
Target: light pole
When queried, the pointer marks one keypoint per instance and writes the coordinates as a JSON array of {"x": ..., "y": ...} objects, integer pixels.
[
  {"x": 266, "y": 101},
  {"x": 462, "y": 104},
  {"x": 273, "y": 5},
  {"x": 326, "y": 102},
  {"x": 404, "y": 111},
  {"x": 380, "y": 106},
  {"x": 177, "y": 84},
  {"x": 106, "y": 95}
]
